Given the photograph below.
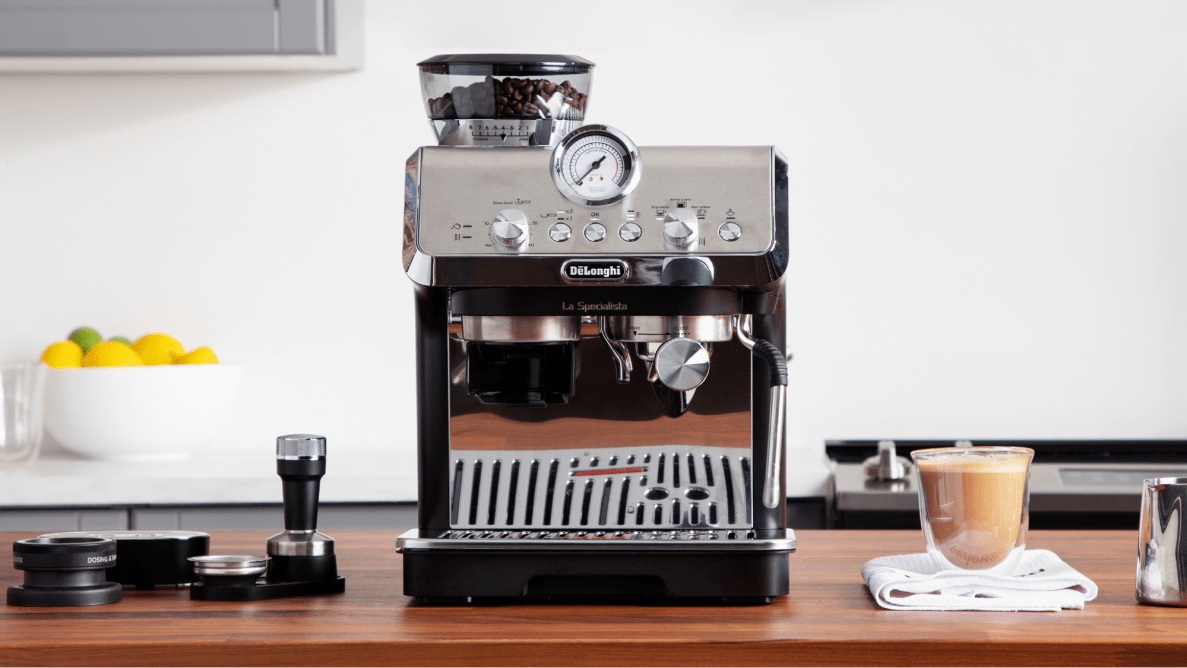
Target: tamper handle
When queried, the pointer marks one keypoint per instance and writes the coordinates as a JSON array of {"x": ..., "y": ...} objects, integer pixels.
[{"x": 301, "y": 463}]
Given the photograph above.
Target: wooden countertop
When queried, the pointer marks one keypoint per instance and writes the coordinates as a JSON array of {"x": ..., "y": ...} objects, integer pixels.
[{"x": 829, "y": 619}]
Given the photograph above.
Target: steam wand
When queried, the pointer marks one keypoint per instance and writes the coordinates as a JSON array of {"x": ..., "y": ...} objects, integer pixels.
[{"x": 777, "y": 366}]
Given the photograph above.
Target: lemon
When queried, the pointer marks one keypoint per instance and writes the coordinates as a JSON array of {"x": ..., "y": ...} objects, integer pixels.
[
  {"x": 158, "y": 349},
  {"x": 85, "y": 337},
  {"x": 111, "y": 353},
  {"x": 201, "y": 355},
  {"x": 121, "y": 339},
  {"x": 63, "y": 355}
]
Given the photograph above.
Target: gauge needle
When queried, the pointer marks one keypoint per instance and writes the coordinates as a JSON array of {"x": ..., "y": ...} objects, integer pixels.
[{"x": 596, "y": 163}]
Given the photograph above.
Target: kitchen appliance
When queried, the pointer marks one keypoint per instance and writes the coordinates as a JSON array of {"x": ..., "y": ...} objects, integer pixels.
[
  {"x": 1074, "y": 484},
  {"x": 600, "y": 387}
]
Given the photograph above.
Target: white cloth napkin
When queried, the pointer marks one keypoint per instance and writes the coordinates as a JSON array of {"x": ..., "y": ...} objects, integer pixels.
[{"x": 1042, "y": 582}]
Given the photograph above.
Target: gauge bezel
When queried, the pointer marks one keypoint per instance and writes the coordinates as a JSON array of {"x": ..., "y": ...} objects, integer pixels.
[{"x": 630, "y": 163}]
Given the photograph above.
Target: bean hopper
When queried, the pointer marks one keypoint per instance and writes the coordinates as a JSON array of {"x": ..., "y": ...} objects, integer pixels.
[{"x": 600, "y": 387}]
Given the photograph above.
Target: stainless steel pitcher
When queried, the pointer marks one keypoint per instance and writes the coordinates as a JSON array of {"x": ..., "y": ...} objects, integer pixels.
[{"x": 1162, "y": 554}]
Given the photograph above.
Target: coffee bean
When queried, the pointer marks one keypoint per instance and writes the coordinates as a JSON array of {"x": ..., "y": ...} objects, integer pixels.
[{"x": 514, "y": 97}]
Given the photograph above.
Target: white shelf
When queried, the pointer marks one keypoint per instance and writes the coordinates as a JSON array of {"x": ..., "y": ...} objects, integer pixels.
[{"x": 85, "y": 36}]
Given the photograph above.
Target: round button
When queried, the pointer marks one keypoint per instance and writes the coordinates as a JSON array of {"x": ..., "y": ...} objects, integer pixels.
[
  {"x": 730, "y": 231},
  {"x": 510, "y": 228},
  {"x": 595, "y": 231},
  {"x": 560, "y": 232},
  {"x": 630, "y": 232},
  {"x": 680, "y": 227}
]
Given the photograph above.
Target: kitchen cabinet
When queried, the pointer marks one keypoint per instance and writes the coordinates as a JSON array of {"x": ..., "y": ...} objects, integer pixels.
[{"x": 171, "y": 35}]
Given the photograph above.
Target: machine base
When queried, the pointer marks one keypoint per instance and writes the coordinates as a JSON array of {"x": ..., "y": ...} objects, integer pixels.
[{"x": 705, "y": 575}]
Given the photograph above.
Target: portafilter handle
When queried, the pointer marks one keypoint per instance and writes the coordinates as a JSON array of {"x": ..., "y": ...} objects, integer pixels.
[
  {"x": 300, "y": 462},
  {"x": 777, "y": 367}
]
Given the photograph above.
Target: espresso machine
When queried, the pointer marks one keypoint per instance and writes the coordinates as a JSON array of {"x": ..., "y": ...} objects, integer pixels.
[{"x": 599, "y": 327}]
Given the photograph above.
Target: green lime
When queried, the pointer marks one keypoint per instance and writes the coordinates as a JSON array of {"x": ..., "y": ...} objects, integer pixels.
[
  {"x": 121, "y": 339},
  {"x": 85, "y": 337}
]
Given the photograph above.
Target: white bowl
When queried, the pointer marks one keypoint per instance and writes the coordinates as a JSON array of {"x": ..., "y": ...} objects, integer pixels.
[{"x": 138, "y": 412}]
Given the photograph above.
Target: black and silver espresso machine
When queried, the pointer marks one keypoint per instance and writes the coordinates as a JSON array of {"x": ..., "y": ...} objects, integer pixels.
[{"x": 599, "y": 327}]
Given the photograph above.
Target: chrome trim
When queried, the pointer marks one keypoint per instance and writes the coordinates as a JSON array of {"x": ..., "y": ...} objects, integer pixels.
[
  {"x": 520, "y": 329},
  {"x": 626, "y": 272},
  {"x": 618, "y": 352},
  {"x": 229, "y": 564},
  {"x": 295, "y": 447},
  {"x": 566, "y": 541},
  {"x": 773, "y": 481},
  {"x": 661, "y": 328},
  {"x": 772, "y": 494},
  {"x": 417, "y": 265},
  {"x": 300, "y": 544}
]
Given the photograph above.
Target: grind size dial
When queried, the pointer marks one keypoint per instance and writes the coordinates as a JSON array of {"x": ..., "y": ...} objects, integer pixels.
[{"x": 595, "y": 165}]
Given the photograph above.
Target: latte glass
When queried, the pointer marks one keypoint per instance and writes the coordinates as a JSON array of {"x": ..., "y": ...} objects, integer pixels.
[{"x": 974, "y": 506}]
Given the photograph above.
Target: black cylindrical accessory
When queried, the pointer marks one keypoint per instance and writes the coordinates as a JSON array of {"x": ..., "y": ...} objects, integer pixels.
[
  {"x": 64, "y": 571},
  {"x": 148, "y": 559},
  {"x": 283, "y": 568},
  {"x": 300, "y": 462}
]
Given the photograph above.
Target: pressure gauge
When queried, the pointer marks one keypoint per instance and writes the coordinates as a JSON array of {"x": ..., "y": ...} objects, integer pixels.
[{"x": 595, "y": 165}]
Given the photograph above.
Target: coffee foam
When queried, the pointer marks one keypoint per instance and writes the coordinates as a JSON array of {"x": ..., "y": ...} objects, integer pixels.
[{"x": 969, "y": 462}]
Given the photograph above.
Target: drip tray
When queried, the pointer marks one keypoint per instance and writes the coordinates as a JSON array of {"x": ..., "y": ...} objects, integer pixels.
[{"x": 637, "y": 489}]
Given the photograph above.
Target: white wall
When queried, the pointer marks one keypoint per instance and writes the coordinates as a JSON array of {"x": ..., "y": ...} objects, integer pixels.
[{"x": 987, "y": 206}]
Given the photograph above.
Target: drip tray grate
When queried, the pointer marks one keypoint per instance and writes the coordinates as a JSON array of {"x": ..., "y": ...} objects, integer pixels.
[{"x": 642, "y": 490}]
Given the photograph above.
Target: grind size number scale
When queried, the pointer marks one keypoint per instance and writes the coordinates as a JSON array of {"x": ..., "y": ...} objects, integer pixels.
[{"x": 595, "y": 165}]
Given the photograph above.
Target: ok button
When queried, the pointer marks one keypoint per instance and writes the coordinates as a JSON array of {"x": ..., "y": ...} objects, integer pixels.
[{"x": 595, "y": 231}]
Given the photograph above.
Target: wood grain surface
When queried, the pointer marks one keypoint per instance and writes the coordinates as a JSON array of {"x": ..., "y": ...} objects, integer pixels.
[{"x": 829, "y": 619}]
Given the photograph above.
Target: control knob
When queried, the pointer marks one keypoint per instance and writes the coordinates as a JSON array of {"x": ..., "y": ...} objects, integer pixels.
[
  {"x": 510, "y": 228},
  {"x": 682, "y": 364},
  {"x": 681, "y": 227}
]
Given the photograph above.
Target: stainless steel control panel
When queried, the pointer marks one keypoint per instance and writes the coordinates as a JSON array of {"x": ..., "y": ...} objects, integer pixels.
[{"x": 502, "y": 201}]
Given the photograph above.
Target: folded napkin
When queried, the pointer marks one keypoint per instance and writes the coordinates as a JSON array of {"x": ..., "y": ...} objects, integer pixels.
[{"x": 1042, "y": 582}]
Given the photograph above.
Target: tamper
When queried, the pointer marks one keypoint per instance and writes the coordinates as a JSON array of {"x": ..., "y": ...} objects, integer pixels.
[
  {"x": 300, "y": 560},
  {"x": 300, "y": 553}
]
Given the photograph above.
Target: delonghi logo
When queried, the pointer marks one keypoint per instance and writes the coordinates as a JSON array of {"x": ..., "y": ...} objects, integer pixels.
[{"x": 604, "y": 270}]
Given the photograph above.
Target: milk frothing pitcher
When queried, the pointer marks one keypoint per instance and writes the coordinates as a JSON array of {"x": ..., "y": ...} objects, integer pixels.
[{"x": 1162, "y": 555}]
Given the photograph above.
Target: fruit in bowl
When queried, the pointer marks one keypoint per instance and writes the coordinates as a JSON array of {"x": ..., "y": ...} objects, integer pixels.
[{"x": 132, "y": 402}]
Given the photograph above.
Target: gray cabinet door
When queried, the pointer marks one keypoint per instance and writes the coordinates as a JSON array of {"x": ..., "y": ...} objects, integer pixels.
[{"x": 163, "y": 27}]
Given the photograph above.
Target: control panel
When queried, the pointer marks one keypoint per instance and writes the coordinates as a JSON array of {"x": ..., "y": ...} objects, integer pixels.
[{"x": 703, "y": 200}]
